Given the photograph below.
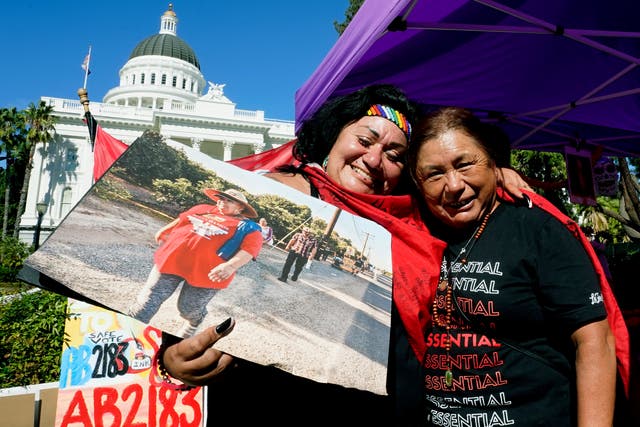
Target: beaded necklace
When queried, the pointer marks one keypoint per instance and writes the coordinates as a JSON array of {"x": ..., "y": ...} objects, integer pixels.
[{"x": 440, "y": 317}]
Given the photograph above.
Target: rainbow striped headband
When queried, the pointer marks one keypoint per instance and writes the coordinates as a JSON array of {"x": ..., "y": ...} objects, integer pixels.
[{"x": 392, "y": 115}]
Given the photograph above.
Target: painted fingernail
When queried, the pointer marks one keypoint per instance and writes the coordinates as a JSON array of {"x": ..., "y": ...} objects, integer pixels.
[{"x": 223, "y": 326}]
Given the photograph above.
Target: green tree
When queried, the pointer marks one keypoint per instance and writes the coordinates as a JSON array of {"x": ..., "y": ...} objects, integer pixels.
[
  {"x": 181, "y": 194},
  {"x": 31, "y": 338},
  {"x": 13, "y": 140},
  {"x": 149, "y": 158},
  {"x": 546, "y": 172},
  {"x": 617, "y": 217},
  {"x": 13, "y": 252},
  {"x": 354, "y": 5},
  {"x": 40, "y": 128},
  {"x": 31, "y": 323},
  {"x": 629, "y": 208},
  {"x": 284, "y": 216}
]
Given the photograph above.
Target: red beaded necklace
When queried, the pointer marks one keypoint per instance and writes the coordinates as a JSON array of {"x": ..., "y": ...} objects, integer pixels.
[{"x": 443, "y": 303}]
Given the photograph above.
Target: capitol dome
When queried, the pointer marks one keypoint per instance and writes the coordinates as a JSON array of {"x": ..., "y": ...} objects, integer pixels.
[
  {"x": 166, "y": 45},
  {"x": 161, "y": 70}
]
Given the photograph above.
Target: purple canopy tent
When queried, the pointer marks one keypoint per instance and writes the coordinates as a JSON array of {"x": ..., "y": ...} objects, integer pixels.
[{"x": 550, "y": 73}]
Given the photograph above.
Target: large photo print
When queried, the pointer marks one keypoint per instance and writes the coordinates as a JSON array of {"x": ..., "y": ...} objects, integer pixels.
[{"x": 182, "y": 242}]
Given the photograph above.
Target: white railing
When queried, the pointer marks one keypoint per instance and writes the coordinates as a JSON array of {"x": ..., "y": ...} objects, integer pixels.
[
  {"x": 179, "y": 107},
  {"x": 249, "y": 115},
  {"x": 98, "y": 108},
  {"x": 121, "y": 111}
]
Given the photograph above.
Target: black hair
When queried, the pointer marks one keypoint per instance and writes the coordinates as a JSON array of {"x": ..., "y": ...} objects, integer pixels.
[
  {"x": 317, "y": 134},
  {"x": 499, "y": 139},
  {"x": 490, "y": 137}
]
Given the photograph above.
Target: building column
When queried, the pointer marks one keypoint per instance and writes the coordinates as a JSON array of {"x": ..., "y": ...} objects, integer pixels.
[
  {"x": 196, "y": 143},
  {"x": 258, "y": 147},
  {"x": 228, "y": 145}
]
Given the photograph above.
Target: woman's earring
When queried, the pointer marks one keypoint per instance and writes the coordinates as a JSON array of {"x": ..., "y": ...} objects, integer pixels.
[{"x": 325, "y": 162}]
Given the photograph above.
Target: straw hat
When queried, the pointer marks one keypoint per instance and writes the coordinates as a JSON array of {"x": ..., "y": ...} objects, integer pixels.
[{"x": 235, "y": 196}]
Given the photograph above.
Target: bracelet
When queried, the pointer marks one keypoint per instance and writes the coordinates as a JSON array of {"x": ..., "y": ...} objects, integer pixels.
[{"x": 158, "y": 366}]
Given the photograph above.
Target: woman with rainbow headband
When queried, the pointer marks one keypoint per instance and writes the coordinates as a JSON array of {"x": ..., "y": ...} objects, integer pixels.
[
  {"x": 369, "y": 130},
  {"x": 350, "y": 153}
]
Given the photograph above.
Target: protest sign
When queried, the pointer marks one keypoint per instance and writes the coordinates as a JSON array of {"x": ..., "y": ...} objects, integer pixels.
[
  {"x": 107, "y": 375},
  {"x": 331, "y": 324}
]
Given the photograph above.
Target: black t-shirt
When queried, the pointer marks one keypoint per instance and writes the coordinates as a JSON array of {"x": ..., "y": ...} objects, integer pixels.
[
  {"x": 405, "y": 377},
  {"x": 527, "y": 284}
]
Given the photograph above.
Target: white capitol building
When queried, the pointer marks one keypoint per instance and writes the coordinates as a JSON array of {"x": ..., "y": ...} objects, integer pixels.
[{"x": 161, "y": 88}]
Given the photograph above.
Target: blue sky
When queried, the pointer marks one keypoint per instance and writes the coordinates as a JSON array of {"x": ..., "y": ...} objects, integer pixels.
[{"x": 263, "y": 51}]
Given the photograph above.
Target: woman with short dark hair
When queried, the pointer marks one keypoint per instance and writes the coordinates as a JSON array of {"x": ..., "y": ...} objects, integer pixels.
[{"x": 519, "y": 332}]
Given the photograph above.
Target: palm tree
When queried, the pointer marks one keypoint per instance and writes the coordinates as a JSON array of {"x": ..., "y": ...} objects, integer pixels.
[
  {"x": 40, "y": 127},
  {"x": 13, "y": 140},
  {"x": 629, "y": 215}
]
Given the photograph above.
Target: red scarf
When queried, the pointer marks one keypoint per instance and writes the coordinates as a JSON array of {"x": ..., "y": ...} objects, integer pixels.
[
  {"x": 614, "y": 314},
  {"x": 415, "y": 253}
]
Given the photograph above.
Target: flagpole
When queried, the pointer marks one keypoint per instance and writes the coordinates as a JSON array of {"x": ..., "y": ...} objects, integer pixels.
[
  {"x": 84, "y": 98},
  {"x": 86, "y": 70}
]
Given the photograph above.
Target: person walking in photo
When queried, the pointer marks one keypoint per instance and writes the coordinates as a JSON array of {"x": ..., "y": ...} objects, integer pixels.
[
  {"x": 203, "y": 247},
  {"x": 267, "y": 231},
  {"x": 302, "y": 248},
  {"x": 358, "y": 266}
]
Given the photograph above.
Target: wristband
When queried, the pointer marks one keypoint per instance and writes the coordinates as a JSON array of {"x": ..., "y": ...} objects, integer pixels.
[{"x": 158, "y": 366}]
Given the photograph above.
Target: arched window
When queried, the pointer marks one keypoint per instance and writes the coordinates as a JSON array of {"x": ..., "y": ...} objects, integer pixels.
[
  {"x": 66, "y": 201},
  {"x": 174, "y": 81},
  {"x": 133, "y": 79},
  {"x": 153, "y": 78},
  {"x": 142, "y": 78},
  {"x": 164, "y": 80},
  {"x": 71, "y": 159}
]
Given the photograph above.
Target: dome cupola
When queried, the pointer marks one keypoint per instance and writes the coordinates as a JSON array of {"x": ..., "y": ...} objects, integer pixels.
[{"x": 166, "y": 42}]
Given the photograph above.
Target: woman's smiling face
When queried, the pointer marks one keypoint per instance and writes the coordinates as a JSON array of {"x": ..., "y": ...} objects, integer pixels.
[
  {"x": 229, "y": 207},
  {"x": 457, "y": 178},
  {"x": 368, "y": 156}
]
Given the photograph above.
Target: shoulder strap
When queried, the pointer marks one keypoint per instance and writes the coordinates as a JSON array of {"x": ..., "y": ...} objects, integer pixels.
[{"x": 232, "y": 245}]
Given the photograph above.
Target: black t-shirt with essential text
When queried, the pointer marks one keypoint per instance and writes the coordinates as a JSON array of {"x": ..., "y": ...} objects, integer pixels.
[{"x": 526, "y": 286}]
